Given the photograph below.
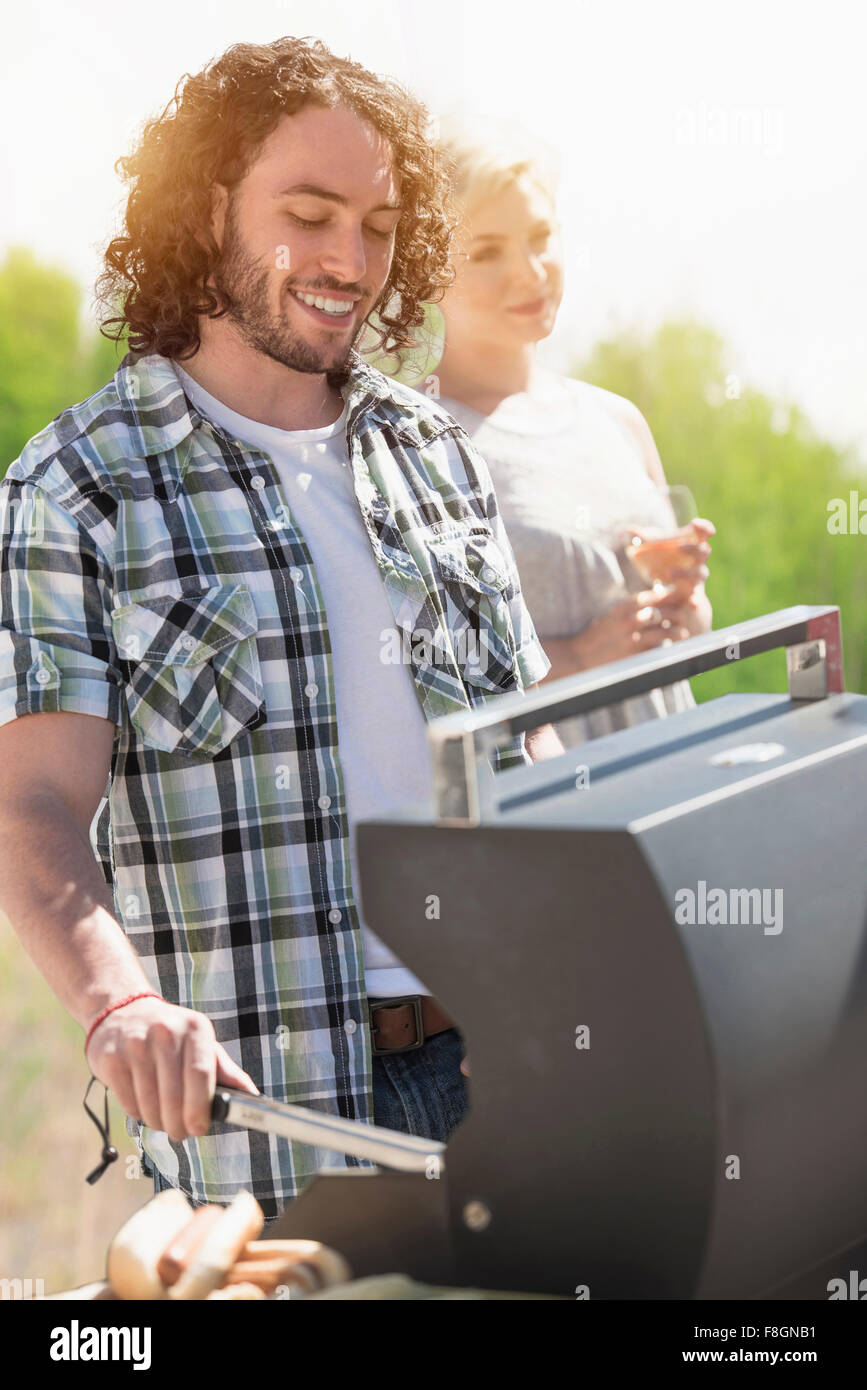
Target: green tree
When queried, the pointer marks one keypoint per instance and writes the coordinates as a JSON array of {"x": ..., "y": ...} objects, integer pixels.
[
  {"x": 46, "y": 362},
  {"x": 764, "y": 477}
]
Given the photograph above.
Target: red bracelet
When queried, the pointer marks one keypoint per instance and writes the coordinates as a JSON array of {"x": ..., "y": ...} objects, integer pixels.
[{"x": 145, "y": 994}]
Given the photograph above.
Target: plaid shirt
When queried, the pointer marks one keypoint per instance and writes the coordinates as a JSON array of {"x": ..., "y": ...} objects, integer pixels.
[{"x": 152, "y": 575}]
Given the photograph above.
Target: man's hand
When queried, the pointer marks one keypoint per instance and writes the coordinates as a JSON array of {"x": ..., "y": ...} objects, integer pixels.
[
  {"x": 164, "y": 1064},
  {"x": 541, "y": 743}
]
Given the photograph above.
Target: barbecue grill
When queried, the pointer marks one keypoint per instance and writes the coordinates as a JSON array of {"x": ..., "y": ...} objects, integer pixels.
[{"x": 655, "y": 947}]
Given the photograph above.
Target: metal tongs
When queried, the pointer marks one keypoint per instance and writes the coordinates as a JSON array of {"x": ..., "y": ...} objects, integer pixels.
[{"x": 387, "y": 1147}]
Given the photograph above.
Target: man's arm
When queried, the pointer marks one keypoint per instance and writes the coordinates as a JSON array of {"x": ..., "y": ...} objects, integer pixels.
[
  {"x": 543, "y": 742},
  {"x": 60, "y": 700},
  {"x": 53, "y": 771},
  {"x": 162, "y": 1062}
]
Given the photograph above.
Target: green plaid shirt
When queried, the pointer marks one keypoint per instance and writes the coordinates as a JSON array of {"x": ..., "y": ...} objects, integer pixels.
[{"x": 152, "y": 575}]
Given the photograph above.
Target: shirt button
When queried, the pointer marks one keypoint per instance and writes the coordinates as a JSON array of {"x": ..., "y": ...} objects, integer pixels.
[
  {"x": 487, "y": 574},
  {"x": 296, "y": 576},
  {"x": 43, "y": 677},
  {"x": 311, "y": 689},
  {"x": 258, "y": 483},
  {"x": 324, "y": 802},
  {"x": 335, "y": 915},
  {"x": 188, "y": 643},
  {"x": 350, "y": 1026}
]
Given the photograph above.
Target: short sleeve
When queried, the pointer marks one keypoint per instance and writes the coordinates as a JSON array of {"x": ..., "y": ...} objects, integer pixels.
[{"x": 56, "y": 647}]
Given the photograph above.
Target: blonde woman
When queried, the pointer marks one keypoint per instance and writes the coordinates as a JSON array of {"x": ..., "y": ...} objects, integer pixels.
[{"x": 570, "y": 463}]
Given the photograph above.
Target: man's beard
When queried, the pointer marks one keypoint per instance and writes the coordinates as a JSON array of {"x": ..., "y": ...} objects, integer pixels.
[{"x": 244, "y": 285}]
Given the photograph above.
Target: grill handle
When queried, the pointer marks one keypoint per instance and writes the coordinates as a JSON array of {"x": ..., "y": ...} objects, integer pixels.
[{"x": 461, "y": 743}]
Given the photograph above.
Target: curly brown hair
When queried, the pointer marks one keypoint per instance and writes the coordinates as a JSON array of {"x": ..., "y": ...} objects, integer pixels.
[{"x": 155, "y": 281}]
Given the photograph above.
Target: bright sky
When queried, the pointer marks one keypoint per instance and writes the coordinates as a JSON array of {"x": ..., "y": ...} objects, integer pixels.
[{"x": 714, "y": 157}]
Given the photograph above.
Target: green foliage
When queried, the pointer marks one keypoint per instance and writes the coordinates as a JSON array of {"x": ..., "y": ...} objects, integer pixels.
[
  {"x": 45, "y": 362},
  {"x": 760, "y": 473}
]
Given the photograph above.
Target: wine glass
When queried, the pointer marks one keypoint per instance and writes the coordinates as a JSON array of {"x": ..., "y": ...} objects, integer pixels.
[{"x": 655, "y": 551}]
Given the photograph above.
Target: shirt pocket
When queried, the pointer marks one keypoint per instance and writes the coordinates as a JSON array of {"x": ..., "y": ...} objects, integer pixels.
[
  {"x": 193, "y": 677},
  {"x": 477, "y": 588}
]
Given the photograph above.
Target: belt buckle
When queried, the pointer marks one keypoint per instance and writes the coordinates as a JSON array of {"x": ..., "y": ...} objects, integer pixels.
[{"x": 416, "y": 1001}]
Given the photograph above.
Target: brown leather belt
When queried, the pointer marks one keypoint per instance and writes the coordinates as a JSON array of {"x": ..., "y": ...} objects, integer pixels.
[{"x": 403, "y": 1023}]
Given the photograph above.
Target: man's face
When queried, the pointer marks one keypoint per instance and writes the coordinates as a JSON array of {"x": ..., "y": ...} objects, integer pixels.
[{"x": 316, "y": 217}]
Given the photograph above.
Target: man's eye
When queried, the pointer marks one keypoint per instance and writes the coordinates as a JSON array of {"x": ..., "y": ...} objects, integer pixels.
[
  {"x": 321, "y": 222},
  {"x": 487, "y": 254}
]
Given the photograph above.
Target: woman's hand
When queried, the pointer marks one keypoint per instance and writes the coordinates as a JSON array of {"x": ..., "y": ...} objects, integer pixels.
[
  {"x": 694, "y": 614},
  {"x": 679, "y": 558},
  {"x": 688, "y": 604},
  {"x": 695, "y": 552},
  {"x": 636, "y": 624}
]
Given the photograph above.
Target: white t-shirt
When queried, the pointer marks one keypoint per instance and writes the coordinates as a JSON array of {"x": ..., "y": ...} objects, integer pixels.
[{"x": 382, "y": 740}]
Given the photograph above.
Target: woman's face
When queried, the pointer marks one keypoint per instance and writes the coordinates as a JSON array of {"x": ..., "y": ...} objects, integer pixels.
[{"x": 509, "y": 269}]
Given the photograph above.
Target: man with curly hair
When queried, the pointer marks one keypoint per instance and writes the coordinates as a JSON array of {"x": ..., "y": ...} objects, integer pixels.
[{"x": 216, "y": 574}]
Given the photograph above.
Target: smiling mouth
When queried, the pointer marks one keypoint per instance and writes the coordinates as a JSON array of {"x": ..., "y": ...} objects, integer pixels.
[
  {"x": 332, "y": 308},
  {"x": 534, "y": 306}
]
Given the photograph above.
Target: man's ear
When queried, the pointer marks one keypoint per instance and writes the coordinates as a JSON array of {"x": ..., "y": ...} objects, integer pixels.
[{"x": 219, "y": 206}]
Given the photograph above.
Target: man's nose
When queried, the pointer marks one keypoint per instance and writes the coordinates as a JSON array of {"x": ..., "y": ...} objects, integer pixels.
[{"x": 344, "y": 257}]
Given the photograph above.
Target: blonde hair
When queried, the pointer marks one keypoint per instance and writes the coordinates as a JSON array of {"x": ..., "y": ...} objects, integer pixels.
[{"x": 487, "y": 153}]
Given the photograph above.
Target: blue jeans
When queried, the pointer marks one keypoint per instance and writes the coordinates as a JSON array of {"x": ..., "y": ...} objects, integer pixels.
[
  {"x": 420, "y": 1092},
  {"x": 424, "y": 1091}
]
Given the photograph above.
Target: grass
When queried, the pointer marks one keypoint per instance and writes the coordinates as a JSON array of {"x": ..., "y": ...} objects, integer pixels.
[{"x": 53, "y": 1226}]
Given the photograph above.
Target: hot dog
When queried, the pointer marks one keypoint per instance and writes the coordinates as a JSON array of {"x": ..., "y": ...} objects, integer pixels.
[{"x": 178, "y": 1255}]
